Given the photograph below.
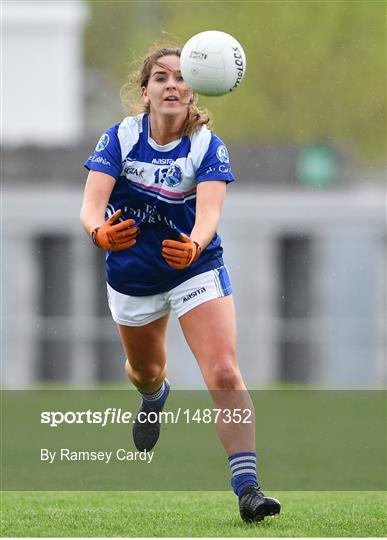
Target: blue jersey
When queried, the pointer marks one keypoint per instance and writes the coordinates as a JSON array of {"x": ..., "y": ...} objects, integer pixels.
[{"x": 156, "y": 186}]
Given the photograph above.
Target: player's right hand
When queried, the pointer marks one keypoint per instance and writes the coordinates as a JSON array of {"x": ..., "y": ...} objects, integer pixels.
[{"x": 115, "y": 237}]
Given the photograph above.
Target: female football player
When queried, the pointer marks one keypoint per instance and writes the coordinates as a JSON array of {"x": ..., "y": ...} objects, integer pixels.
[{"x": 160, "y": 179}]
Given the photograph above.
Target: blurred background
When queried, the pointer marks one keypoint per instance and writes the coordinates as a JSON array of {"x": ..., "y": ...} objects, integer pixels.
[{"x": 303, "y": 226}]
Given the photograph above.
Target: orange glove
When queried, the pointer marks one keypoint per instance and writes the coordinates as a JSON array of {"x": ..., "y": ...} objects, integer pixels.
[
  {"x": 179, "y": 255},
  {"x": 115, "y": 237}
]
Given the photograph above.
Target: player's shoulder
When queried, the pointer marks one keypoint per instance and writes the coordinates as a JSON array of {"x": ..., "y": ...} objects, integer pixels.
[
  {"x": 132, "y": 122},
  {"x": 128, "y": 131},
  {"x": 205, "y": 141},
  {"x": 200, "y": 141},
  {"x": 205, "y": 136}
]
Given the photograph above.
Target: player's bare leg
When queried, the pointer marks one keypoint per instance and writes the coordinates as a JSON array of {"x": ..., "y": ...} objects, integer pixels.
[
  {"x": 145, "y": 352},
  {"x": 210, "y": 331},
  {"x": 146, "y": 367}
]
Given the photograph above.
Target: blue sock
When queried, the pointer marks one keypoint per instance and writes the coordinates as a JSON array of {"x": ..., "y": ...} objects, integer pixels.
[
  {"x": 155, "y": 400},
  {"x": 244, "y": 471}
]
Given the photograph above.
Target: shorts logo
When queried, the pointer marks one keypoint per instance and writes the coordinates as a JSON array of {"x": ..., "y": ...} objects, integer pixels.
[
  {"x": 174, "y": 175},
  {"x": 193, "y": 294},
  {"x": 102, "y": 143},
  {"x": 222, "y": 154}
]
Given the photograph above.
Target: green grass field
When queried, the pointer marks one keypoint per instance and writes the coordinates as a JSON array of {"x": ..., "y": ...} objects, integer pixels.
[{"x": 188, "y": 514}]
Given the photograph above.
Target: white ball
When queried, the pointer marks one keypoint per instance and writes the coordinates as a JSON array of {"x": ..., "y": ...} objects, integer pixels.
[{"x": 213, "y": 63}]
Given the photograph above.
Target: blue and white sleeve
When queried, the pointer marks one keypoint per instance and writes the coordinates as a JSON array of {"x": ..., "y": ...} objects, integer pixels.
[
  {"x": 106, "y": 157},
  {"x": 216, "y": 163}
]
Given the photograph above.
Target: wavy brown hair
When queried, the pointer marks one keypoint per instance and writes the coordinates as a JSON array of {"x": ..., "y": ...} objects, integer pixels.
[{"x": 139, "y": 78}]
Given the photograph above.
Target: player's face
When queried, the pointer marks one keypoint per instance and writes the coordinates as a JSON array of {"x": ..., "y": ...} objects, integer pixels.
[{"x": 167, "y": 93}]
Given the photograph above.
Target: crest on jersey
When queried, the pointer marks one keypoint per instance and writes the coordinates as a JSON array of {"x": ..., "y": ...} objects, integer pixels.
[
  {"x": 102, "y": 143},
  {"x": 173, "y": 176},
  {"x": 222, "y": 154}
]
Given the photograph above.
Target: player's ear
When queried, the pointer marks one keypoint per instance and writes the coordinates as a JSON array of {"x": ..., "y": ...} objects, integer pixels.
[
  {"x": 193, "y": 99},
  {"x": 144, "y": 93}
]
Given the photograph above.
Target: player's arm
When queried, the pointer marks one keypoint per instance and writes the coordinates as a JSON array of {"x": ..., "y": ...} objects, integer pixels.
[
  {"x": 108, "y": 234},
  {"x": 209, "y": 203},
  {"x": 98, "y": 189}
]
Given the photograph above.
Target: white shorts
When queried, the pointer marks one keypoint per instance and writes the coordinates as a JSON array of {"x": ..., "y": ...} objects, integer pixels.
[{"x": 140, "y": 310}]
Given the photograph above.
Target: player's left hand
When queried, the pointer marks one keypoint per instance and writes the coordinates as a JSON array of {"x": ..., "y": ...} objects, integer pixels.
[{"x": 180, "y": 254}]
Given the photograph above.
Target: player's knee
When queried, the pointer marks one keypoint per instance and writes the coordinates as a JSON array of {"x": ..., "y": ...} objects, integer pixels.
[
  {"x": 144, "y": 375},
  {"x": 224, "y": 376}
]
